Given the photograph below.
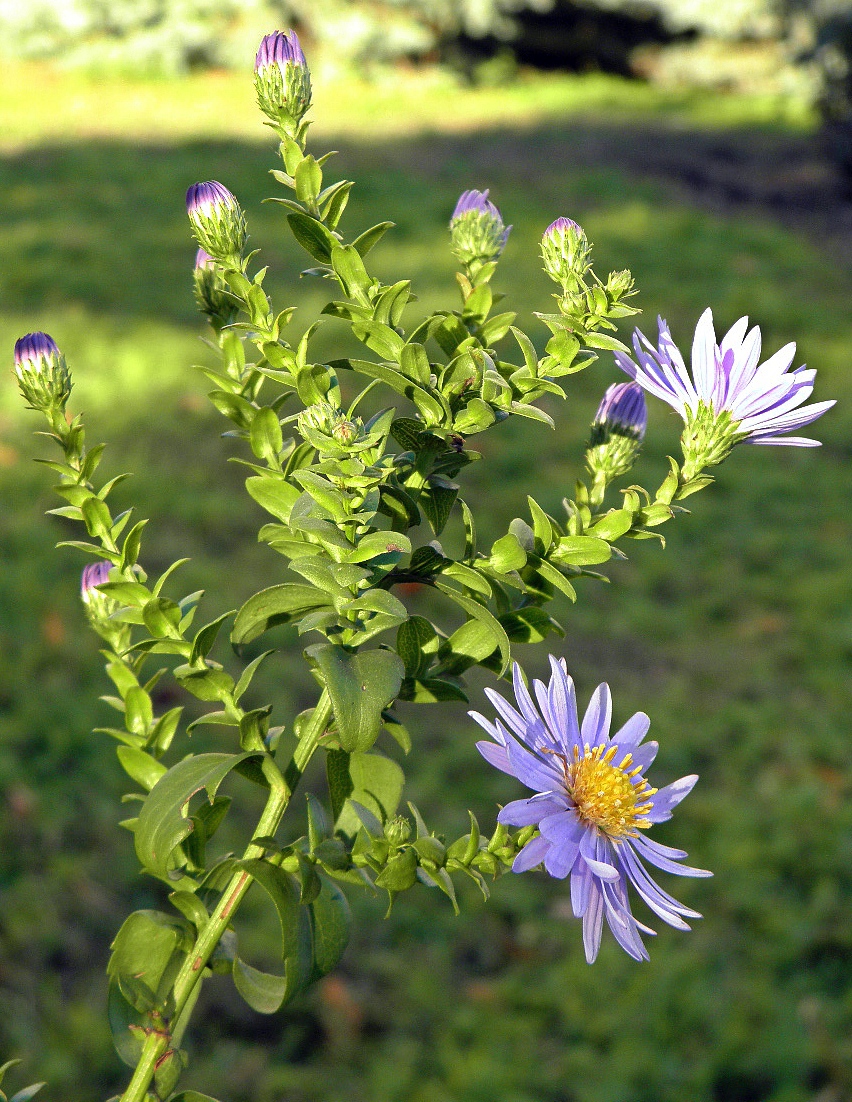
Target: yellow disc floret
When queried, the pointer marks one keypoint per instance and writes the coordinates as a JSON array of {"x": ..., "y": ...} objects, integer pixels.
[{"x": 607, "y": 795}]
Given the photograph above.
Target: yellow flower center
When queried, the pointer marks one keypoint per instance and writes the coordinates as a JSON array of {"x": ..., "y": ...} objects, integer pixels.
[{"x": 606, "y": 794}]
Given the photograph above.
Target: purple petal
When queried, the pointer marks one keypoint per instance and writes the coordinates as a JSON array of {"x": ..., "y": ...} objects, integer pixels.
[
  {"x": 704, "y": 355},
  {"x": 581, "y": 888},
  {"x": 598, "y": 716},
  {"x": 495, "y": 755},
  {"x": 531, "y": 855},
  {"x": 660, "y": 856},
  {"x": 593, "y": 924},
  {"x": 643, "y": 756},
  {"x": 590, "y": 853},
  {"x": 522, "y": 813},
  {"x": 632, "y": 733},
  {"x": 667, "y": 799}
]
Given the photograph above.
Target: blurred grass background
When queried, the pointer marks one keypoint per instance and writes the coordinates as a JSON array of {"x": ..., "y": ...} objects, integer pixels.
[{"x": 736, "y": 639}]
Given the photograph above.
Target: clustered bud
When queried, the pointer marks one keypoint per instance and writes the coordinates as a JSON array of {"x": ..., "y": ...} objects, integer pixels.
[
  {"x": 566, "y": 252},
  {"x": 42, "y": 373},
  {"x": 211, "y": 291},
  {"x": 477, "y": 233},
  {"x": 617, "y": 432},
  {"x": 217, "y": 221},
  {"x": 330, "y": 431},
  {"x": 282, "y": 81}
]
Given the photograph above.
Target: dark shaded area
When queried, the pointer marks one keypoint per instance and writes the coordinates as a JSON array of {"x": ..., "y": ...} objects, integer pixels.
[{"x": 576, "y": 38}]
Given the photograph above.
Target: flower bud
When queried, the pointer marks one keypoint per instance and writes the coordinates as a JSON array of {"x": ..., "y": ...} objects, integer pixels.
[
  {"x": 218, "y": 222},
  {"x": 282, "y": 80},
  {"x": 42, "y": 373},
  {"x": 398, "y": 830},
  {"x": 100, "y": 606},
  {"x": 331, "y": 432},
  {"x": 211, "y": 291},
  {"x": 620, "y": 285},
  {"x": 617, "y": 431},
  {"x": 565, "y": 250},
  {"x": 477, "y": 232}
]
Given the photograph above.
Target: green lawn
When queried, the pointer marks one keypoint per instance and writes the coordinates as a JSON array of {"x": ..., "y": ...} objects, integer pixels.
[{"x": 736, "y": 639}]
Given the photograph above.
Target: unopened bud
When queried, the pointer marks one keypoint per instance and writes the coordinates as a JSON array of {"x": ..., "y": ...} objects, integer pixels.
[
  {"x": 617, "y": 431},
  {"x": 282, "y": 80},
  {"x": 218, "y": 222},
  {"x": 211, "y": 291},
  {"x": 477, "y": 232},
  {"x": 330, "y": 431},
  {"x": 620, "y": 284},
  {"x": 565, "y": 251},
  {"x": 398, "y": 830},
  {"x": 100, "y": 606},
  {"x": 42, "y": 373}
]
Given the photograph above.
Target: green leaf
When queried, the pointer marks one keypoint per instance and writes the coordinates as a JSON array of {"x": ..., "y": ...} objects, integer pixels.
[
  {"x": 412, "y": 640},
  {"x": 614, "y": 524},
  {"x": 146, "y": 945},
  {"x": 414, "y": 362},
  {"x": 308, "y": 177},
  {"x": 481, "y": 613},
  {"x": 312, "y": 236},
  {"x": 437, "y": 501},
  {"x": 265, "y": 435},
  {"x": 431, "y": 405},
  {"x": 383, "y": 340},
  {"x": 469, "y": 645},
  {"x": 507, "y": 554},
  {"x": 163, "y": 823},
  {"x": 206, "y": 637},
  {"x": 264, "y": 992},
  {"x": 330, "y": 926},
  {"x": 274, "y": 494},
  {"x": 374, "y": 782},
  {"x": 360, "y": 686},
  {"x": 144, "y": 769},
  {"x": 529, "y": 625},
  {"x": 349, "y": 269},
  {"x": 371, "y": 237},
  {"x": 280, "y": 604},
  {"x": 191, "y": 1096},
  {"x": 581, "y": 551}
]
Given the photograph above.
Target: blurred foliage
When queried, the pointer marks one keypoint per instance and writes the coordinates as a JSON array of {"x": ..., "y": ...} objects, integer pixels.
[{"x": 737, "y": 639}]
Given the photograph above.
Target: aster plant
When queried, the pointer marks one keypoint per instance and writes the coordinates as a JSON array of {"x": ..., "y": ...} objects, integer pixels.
[{"x": 359, "y": 464}]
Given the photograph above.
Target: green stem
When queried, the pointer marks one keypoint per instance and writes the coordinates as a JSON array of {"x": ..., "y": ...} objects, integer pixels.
[{"x": 157, "y": 1043}]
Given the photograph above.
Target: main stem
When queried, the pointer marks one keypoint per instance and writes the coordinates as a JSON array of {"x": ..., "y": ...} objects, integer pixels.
[{"x": 157, "y": 1042}]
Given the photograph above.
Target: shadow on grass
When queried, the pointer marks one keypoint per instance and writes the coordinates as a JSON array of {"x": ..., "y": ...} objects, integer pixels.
[{"x": 736, "y": 639}]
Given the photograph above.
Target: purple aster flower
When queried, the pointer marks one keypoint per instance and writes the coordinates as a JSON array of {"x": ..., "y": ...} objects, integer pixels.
[
  {"x": 95, "y": 574},
  {"x": 623, "y": 410},
  {"x": 592, "y": 804},
  {"x": 730, "y": 397},
  {"x": 478, "y": 234},
  {"x": 279, "y": 48}
]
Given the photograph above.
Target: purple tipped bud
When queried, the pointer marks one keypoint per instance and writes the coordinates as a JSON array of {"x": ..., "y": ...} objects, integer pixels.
[
  {"x": 95, "y": 574},
  {"x": 208, "y": 198},
  {"x": 279, "y": 48},
  {"x": 565, "y": 251},
  {"x": 623, "y": 410},
  {"x": 204, "y": 261},
  {"x": 218, "y": 222},
  {"x": 477, "y": 232},
  {"x": 42, "y": 373},
  {"x": 38, "y": 349},
  {"x": 282, "y": 81},
  {"x": 617, "y": 433}
]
